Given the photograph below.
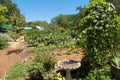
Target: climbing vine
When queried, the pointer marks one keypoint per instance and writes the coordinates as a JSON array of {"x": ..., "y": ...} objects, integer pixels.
[{"x": 99, "y": 30}]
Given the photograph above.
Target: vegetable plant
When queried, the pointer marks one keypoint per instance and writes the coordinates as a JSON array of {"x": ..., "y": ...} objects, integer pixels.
[
  {"x": 46, "y": 36},
  {"x": 40, "y": 65}
]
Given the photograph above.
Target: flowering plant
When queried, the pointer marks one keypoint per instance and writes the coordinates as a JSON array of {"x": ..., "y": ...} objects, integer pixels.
[{"x": 54, "y": 76}]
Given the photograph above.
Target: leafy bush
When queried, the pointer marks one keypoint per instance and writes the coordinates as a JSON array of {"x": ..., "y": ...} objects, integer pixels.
[
  {"x": 99, "y": 31},
  {"x": 99, "y": 74},
  {"x": 17, "y": 71},
  {"x": 3, "y": 42},
  {"x": 39, "y": 48},
  {"x": 41, "y": 64}
]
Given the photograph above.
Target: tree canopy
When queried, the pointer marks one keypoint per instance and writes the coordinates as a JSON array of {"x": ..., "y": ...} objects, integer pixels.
[
  {"x": 11, "y": 7},
  {"x": 3, "y": 19},
  {"x": 64, "y": 21},
  {"x": 13, "y": 14}
]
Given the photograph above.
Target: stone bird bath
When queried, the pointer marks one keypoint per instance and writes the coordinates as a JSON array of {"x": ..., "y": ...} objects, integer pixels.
[{"x": 68, "y": 65}]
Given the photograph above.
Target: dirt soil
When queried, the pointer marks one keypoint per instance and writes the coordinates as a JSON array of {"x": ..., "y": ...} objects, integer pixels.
[
  {"x": 16, "y": 52},
  {"x": 75, "y": 54}
]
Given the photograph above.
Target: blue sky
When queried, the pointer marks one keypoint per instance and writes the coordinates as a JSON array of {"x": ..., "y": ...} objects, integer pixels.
[{"x": 45, "y": 10}]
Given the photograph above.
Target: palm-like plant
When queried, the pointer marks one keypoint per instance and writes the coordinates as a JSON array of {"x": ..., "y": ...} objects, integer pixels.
[{"x": 116, "y": 59}]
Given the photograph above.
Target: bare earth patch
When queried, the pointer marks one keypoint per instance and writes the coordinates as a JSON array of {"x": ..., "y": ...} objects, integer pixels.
[
  {"x": 16, "y": 52},
  {"x": 69, "y": 54}
]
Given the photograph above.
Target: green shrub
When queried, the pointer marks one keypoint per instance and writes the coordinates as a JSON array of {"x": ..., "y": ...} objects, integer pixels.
[
  {"x": 99, "y": 74},
  {"x": 99, "y": 31},
  {"x": 17, "y": 71},
  {"x": 39, "y": 48},
  {"x": 41, "y": 64},
  {"x": 3, "y": 42}
]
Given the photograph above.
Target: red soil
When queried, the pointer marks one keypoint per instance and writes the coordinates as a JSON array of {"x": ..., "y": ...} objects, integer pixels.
[{"x": 16, "y": 52}]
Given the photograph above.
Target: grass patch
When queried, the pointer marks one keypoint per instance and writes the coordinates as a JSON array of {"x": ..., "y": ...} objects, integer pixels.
[{"x": 17, "y": 71}]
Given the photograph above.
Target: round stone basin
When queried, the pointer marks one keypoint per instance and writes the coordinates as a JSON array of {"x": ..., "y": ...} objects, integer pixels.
[{"x": 68, "y": 64}]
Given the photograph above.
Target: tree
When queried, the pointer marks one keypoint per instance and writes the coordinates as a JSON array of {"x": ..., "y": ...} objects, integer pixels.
[
  {"x": 79, "y": 16},
  {"x": 3, "y": 19},
  {"x": 11, "y": 7},
  {"x": 5, "y": 2},
  {"x": 64, "y": 21},
  {"x": 16, "y": 19},
  {"x": 80, "y": 9}
]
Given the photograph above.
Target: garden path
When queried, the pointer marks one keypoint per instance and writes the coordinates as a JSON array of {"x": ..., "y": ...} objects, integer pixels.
[{"x": 16, "y": 52}]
